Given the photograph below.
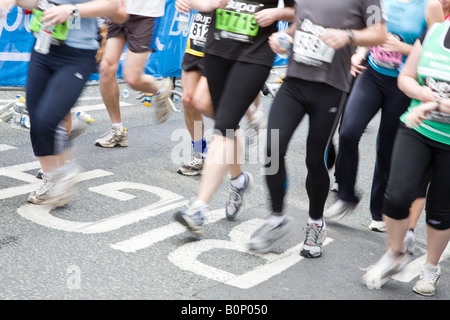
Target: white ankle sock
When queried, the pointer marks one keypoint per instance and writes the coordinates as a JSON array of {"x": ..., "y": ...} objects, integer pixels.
[
  {"x": 313, "y": 221},
  {"x": 118, "y": 126},
  {"x": 238, "y": 182}
]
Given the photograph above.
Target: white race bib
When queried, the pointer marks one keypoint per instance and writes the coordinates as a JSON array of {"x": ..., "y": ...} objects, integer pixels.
[{"x": 309, "y": 49}]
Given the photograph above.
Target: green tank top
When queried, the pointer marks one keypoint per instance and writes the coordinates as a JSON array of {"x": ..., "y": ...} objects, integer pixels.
[{"x": 434, "y": 71}]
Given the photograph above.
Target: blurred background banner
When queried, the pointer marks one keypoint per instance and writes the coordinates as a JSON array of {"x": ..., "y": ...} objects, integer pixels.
[
  {"x": 169, "y": 44},
  {"x": 16, "y": 43}
]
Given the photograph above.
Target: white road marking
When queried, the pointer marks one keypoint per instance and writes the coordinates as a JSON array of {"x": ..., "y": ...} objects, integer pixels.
[{"x": 5, "y": 147}]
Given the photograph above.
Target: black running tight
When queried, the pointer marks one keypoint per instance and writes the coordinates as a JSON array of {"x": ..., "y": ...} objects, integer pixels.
[
  {"x": 321, "y": 103},
  {"x": 233, "y": 86}
]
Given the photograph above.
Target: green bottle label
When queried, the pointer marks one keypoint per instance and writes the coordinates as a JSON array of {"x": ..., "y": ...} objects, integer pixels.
[{"x": 61, "y": 30}]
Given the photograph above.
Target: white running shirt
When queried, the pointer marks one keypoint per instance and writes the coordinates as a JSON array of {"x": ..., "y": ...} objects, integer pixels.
[{"x": 148, "y": 8}]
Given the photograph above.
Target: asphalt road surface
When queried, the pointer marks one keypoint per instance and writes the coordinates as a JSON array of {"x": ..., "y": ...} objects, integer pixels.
[{"x": 118, "y": 240}]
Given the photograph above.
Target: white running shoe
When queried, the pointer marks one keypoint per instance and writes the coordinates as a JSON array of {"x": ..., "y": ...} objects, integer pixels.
[
  {"x": 389, "y": 265},
  {"x": 161, "y": 101},
  {"x": 339, "y": 209},
  {"x": 428, "y": 281},
  {"x": 378, "y": 226},
  {"x": 115, "y": 137},
  {"x": 268, "y": 236}
]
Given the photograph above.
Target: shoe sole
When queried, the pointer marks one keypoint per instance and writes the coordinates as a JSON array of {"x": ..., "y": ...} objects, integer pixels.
[
  {"x": 241, "y": 209},
  {"x": 188, "y": 223},
  {"x": 189, "y": 173},
  {"x": 121, "y": 144}
]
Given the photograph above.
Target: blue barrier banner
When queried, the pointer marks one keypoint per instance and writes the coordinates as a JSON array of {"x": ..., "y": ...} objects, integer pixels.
[{"x": 16, "y": 43}]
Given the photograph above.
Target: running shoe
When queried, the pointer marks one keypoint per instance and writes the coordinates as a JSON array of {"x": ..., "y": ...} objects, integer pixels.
[
  {"x": 115, "y": 137},
  {"x": 58, "y": 188},
  {"x": 235, "y": 203},
  {"x": 315, "y": 236},
  {"x": 428, "y": 280},
  {"x": 42, "y": 193},
  {"x": 193, "y": 218},
  {"x": 339, "y": 209},
  {"x": 378, "y": 226},
  {"x": 161, "y": 101},
  {"x": 409, "y": 242},
  {"x": 269, "y": 235},
  {"x": 194, "y": 167},
  {"x": 389, "y": 265}
]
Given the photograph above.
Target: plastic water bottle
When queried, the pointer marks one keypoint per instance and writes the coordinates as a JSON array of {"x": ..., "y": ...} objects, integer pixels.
[
  {"x": 83, "y": 116},
  {"x": 25, "y": 122},
  {"x": 284, "y": 42},
  {"x": 19, "y": 110},
  {"x": 44, "y": 40},
  {"x": 183, "y": 21},
  {"x": 148, "y": 99}
]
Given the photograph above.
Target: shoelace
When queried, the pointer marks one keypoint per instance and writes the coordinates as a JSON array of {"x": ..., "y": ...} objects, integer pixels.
[
  {"x": 45, "y": 186},
  {"x": 312, "y": 233},
  {"x": 429, "y": 277},
  {"x": 234, "y": 197}
]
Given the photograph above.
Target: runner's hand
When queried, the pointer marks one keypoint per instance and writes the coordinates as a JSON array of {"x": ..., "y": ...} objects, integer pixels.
[
  {"x": 419, "y": 113},
  {"x": 183, "y": 6},
  {"x": 274, "y": 43},
  {"x": 357, "y": 66},
  {"x": 220, "y": 4},
  {"x": 265, "y": 17},
  {"x": 56, "y": 15},
  {"x": 392, "y": 44},
  {"x": 428, "y": 95},
  {"x": 335, "y": 38},
  {"x": 6, "y": 6},
  {"x": 121, "y": 15}
]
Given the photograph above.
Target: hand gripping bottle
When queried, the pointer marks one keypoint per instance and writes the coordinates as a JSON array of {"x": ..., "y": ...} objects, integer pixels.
[
  {"x": 83, "y": 116},
  {"x": 284, "y": 42},
  {"x": 44, "y": 38}
]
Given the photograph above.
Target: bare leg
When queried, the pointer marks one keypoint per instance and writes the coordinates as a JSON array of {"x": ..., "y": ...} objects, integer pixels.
[
  {"x": 109, "y": 87},
  {"x": 191, "y": 114}
]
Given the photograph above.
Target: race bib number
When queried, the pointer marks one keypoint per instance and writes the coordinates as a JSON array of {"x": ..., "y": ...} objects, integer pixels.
[
  {"x": 386, "y": 59},
  {"x": 199, "y": 30},
  {"x": 237, "y": 21},
  {"x": 309, "y": 49}
]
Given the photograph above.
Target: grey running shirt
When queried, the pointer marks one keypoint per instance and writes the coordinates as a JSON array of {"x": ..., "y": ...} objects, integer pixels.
[{"x": 339, "y": 14}]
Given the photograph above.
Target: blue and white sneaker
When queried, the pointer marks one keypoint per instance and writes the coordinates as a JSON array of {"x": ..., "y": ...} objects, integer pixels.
[
  {"x": 193, "y": 218},
  {"x": 235, "y": 203}
]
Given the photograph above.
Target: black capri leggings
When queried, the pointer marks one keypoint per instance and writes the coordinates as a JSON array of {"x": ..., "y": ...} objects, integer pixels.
[
  {"x": 233, "y": 86},
  {"x": 55, "y": 81},
  {"x": 413, "y": 157},
  {"x": 296, "y": 98}
]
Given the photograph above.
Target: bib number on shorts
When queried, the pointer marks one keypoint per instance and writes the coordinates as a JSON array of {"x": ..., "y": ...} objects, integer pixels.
[
  {"x": 237, "y": 21},
  {"x": 309, "y": 49}
]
